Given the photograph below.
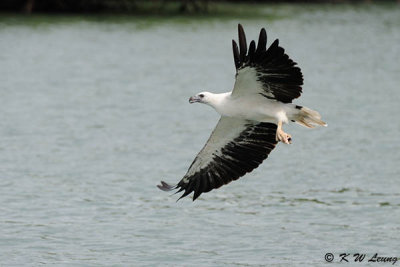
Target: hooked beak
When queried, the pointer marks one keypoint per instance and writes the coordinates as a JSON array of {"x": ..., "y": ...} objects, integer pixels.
[{"x": 194, "y": 99}]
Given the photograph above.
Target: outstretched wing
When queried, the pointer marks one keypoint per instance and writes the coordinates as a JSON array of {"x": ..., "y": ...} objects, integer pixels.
[
  {"x": 235, "y": 147},
  {"x": 269, "y": 72}
]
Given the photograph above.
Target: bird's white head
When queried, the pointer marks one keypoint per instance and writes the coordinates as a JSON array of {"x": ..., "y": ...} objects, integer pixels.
[{"x": 203, "y": 97}]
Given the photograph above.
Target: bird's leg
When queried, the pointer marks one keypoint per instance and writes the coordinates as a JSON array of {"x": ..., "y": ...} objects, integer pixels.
[{"x": 282, "y": 136}]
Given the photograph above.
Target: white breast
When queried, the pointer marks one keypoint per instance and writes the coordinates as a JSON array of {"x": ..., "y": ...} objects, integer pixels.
[{"x": 252, "y": 107}]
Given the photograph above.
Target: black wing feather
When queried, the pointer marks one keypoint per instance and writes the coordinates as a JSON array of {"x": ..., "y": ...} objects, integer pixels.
[
  {"x": 279, "y": 75},
  {"x": 262, "y": 42},
  {"x": 242, "y": 43},
  {"x": 236, "y": 55},
  {"x": 252, "y": 50}
]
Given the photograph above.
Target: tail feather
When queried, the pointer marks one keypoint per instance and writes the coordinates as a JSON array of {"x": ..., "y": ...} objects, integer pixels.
[{"x": 309, "y": 118}]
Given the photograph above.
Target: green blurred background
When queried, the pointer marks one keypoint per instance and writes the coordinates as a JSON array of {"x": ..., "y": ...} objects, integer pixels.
[{"x": 139, "y": 7}]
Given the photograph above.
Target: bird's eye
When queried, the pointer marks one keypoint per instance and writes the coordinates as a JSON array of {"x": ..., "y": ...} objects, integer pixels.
[{"x": 201, "y": 95}]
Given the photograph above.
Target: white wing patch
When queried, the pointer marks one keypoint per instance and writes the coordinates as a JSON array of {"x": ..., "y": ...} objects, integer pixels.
[{"x": 247, "y": 82}]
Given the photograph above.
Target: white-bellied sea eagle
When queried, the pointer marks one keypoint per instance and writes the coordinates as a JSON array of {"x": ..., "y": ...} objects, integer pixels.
[{"x": 252, "y": 114}]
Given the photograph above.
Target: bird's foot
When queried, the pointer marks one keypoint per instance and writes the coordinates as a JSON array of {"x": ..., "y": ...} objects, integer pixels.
[{"x": 283, "y": 137}]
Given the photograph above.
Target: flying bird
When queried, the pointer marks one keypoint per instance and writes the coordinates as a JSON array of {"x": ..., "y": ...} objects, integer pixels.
[{"x": 252, "y": 115}]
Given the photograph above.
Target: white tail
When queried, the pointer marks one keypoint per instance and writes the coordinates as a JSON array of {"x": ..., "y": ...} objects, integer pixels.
[{"x": 309, "y": 118}]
